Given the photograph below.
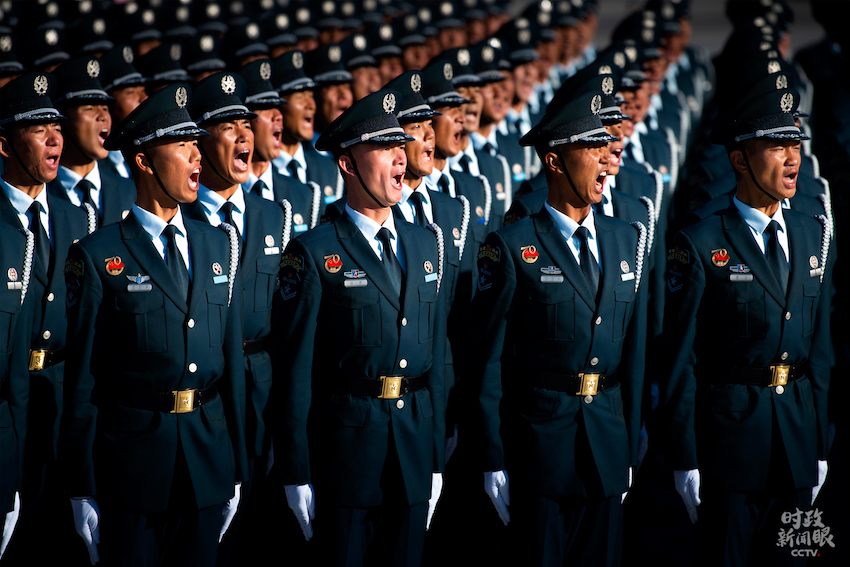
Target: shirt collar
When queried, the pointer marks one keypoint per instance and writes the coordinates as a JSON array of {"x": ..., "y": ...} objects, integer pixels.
[
  {"x": 757, "y": 220},
  {"x": 212, "y": 201},
  {"x": 478, "y": 141},
  {"x": 368, "y": 227},
  {"x": 20, "y": 200},
  {"x": 69, "y": 179},
  {"x": 154, "y": 225},
  {"x": 568, "y": 226}
]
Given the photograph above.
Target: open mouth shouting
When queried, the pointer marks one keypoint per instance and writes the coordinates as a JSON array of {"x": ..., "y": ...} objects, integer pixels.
[
  {"x": 600, "y": 181},
  {"x": 615, "y": 156},
  {"x": 790, "y": 179},
  {"x": 242, "y": 160},
  {"x": 193, "y": 179},
  {"x": 103, "y": 134}
]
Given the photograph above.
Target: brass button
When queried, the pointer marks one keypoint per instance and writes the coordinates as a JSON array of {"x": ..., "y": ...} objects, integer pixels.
[
  {"x": 784, "y": 356},
  {"x": 404, "y": 321},
  {"x": 45, "y": 335},
  {"x": 399, "y": 404},
  {"x": 599, "y": 320},
  {"x": 193, "y": 367},
  {"x": 588, "y": 399},
  {"x": 594, "y": 361},
  {"x": 190, "y": 323},
  {"x": 780, "y": 390},
  {"x": 402, "y": 363},
  {"x": 787, "y": 315},
  {"x": 50, "y": 296}
]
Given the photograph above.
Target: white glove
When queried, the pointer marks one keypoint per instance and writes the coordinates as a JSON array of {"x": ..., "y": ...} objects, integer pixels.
[
  {"x": 87, "y": 523},
  {"x": 687, "y": 485},
  {"x": 436, "y": 491},
  {"x": 229, "y": 510},
  {"x": 9, "y": 524},
  {"x": 626, "y": 493},
  {"x": 496, "y": 487},
  {"x": 822, "y": 468},
  {"x": 451, "y": 445},
  {"x": 300, "y": 499}
]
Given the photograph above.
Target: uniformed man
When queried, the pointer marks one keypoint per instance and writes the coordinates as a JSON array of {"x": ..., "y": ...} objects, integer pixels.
[
  {"x": 744, "y": 391},
  {"x": 31, "y": 145},
  {"x": 359, "y": 355},
  {"x": 155, "y": 384},
  {"x": 105, "y": 196},
  {"x": 561, "y": 315}
]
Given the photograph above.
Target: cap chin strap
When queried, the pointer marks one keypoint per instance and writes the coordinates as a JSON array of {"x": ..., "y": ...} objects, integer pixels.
[
  {"x": 158, "y": 180},
  {"x": 363, "y": 183},
  {"x": 210, "y": 163},
  {"x": 570, "y": 179},
  {"x": 753, "y": 177}
]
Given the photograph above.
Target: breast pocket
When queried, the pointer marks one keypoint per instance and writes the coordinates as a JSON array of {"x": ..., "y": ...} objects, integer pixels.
[
  {"x": 267, "y": 268},
  {"x": 143, "y": 315},
  {"x": 549, "y": 312},
  {"x": 427, "y": 311},
  {"x": 742, "y": 309},
  {"x": 811, "y": 295},
  {"x": 624, "y": 305},
  {"x": 217, "y": 313},
  {"x": 358, "y": 318}
]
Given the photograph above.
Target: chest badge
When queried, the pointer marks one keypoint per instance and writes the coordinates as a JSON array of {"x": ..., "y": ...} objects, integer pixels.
[
  {"x": 720, "y": 257},
  {"x": 216, "y": 268},
  {"x": 269, "y": 240},
  {"x": 138, "y": 278},
  {"x": 529, "y": 254},
  {"x": 429, "y": 267},
  {"x": 13, "y": 274},
  {"x": 333, "y": 264},
  {"x": 624, "y": 266},
  {"x": 114, "y": 266},
  {"x": 813, "y": 262}
]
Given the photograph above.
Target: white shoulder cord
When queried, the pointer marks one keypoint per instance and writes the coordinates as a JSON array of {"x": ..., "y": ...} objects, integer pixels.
[
  {"x": 287, "y": 223},
  {"x": 25, "y": 277},
  {"x": 640, "y": 251},
  {"x": 234, "y": 257},
  {"x": 441, "y": 252},
  {"x": 317, "y": 198},
  {"x": 91, "y": 215},
  {"x": 464, "y": 225},
  {"x": 650, "y": 210}
]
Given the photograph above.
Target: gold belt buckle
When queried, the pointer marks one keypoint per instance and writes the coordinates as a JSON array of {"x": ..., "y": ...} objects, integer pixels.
[
  {"x": 37, "y": 359},
  {"x": 390, "y": 387},
  {"x": 779, "y": 375},
  {"x": 589, "y": 383},
  {"x": 184, "y": 401}
]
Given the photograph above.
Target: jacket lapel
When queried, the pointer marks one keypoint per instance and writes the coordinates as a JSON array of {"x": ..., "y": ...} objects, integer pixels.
[
  {"x": 799, "y": 269},
  {"x": 200, "y": 267},
  {"x": 356, "y": 246},
  {"x": 139, "y": 244},
  {"x": 253, "y": 238},
  {"x": 413, "y": 265},
  {"x": 610, "y": 258},
  {"x": 741, "y": 238},
  {"x": 553, "y": 241}
]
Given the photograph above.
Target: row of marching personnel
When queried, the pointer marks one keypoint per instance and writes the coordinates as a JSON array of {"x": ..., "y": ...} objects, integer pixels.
[{"x": 626, "y": 261}]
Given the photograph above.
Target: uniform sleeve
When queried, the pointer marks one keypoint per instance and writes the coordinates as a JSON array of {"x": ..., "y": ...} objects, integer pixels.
[
  {"x": 685, "y": 287},
  {"x": 84, "y": 294},
  {"x": 18, "y": 380},
  {"x": 489, "y": 317},
  {"x": 293, "y": 335},
  {"x": 820, "y": 356},
  {"x": 233, "y": 380}
]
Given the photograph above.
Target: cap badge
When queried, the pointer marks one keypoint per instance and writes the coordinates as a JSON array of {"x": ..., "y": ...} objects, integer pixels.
[
  {"x": 282, "y": 21},
  {"x": 410, "y": 22},
  {"x": 181, "y": 97},
  {"x": 265, "y": 70},
  {"x": 252, "y": 31},
  {"x": 13, "y": 274},
  {"x": 607, "y": 85},
  {"x": 39, "y": 85},
  {"x": 389, "y": 103},
  {"x": 148, "y": 17},
  {"x": 99, "y": 26},
  {"x": 297, "y": 59},
  {"x": 667, "y": 11},
  {"x": 93, "y": 68},
  {"x": 631, "y": 53},
  {"x": 51, "y": 37},
  {"x": 596, "y": 104},
  {"x": 333, "y": 264},
  {"x": 448, "y": 72},
  {"x": 524, "y": 36},
  {"x": 487, "y": 54},
  {"x": 647, "y": 35},
  {"x": 213, "y": 10},
  {"x": 787, "y": 102},
  {"x": 720, "y": 257},
  {"x": 416, "y": 82},
  {"x": 175, "y": 52},
  {"x": 302, "y": 15},
  {"x": 386, "y": 32},
  {"x": 360, "y": 42},
  {"x": 522, "y": 23},
  {"x": 773, "y": 67},
  {"x": 781, "y": 82},
  {"x": 207, "y": 43},
  {"x": 446, "y": 9},
  {"x": 463, "y": 57},
  {"x": 228, "y": 84},
  {"x": 127, "y": 53},
  {"x": 604, "y": 69},
  {"x": 429, "y": 267},
  {"x": 5, "y": 43},
  {"x": 619, "y": 59},
  {"x": 328, "y": 7},
  {"x": 529, "y": 254},
  {"x": 334, "y": 54}
]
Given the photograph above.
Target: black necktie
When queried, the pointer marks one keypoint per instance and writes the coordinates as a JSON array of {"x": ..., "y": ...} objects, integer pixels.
[
  {"x": 444, "y": 184},
  {"x": 292, "y": 166},
  {"x": 390, "y": 261},
  {"x": 464, "y": 163},
  {"x": 174, "y": 260},
  {"x": 85, "y": 187},
  {"x": 42, "y": 243},
  {"x": 599, "y": 208},
  {"x": 227, "y": 210},
  {"x": 776, "y": 256},
  {"x": 589, "y": 266},
  {"x": 416, "y": 200},
  {"x": 488, "y": 147},
  {"x": 258, "y": 187}
]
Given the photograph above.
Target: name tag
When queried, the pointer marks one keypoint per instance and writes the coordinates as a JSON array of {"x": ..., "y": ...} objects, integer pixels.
[
  {"x": 665, "y": 178},
  {"x": 14, "y": 285},
  {"x": 627, "y": 277},
  {"x": 551, "y": 279},
  {"x": 135, "y": 287},
  {"x": 300, "y": 228},
  {"x": 330, "y": 199},
  {"x": 272, "y": 251},
  {"x": 816, "y": 272},
  {"x": 220, "y": 279},
  {"x": 355, "y": 283},
  {"x": 500, "y": 196},
  {"x": 741, "y": 278},
  {"x": 457, "y": 243},
  {"x": 431, "y": 277}
]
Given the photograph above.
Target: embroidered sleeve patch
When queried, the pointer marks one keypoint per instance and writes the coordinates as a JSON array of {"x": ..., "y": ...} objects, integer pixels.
[
  {"x": 679, "y": 255},
  {"x": 73, "y": 273},
  {"x": 491, "y": 252}
]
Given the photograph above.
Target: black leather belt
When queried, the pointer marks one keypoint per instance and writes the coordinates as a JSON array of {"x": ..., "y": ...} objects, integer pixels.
[
  {"x": 768, "y": 376},
  {"x": 383, "y": 387},
  {"x": 581, "y": 384},
  {"x": 254, "y": 346},
  {"x": 39, "y": 359},
  {"x": 175, "y": 401}
]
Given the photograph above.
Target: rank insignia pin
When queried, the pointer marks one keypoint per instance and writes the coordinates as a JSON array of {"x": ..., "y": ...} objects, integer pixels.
[
  {"x": 216, "y": 268},
  {"x": 551, "y": 270},
  {"x": 138, "y": 278},
  {"x": 429, "y": 267},
  {"x": 355, "y": 274},
  {"x": 740, "y": 269}
]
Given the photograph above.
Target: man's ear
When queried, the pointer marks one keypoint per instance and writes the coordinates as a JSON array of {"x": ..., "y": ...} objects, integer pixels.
[
  {"x": 345, "y": 164},
  {"x": 5, "y": 147},
  {"x": 553, "y": 162},
  {"x": 143, "y": 163},
  {"x": 736, "y": 157}
]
